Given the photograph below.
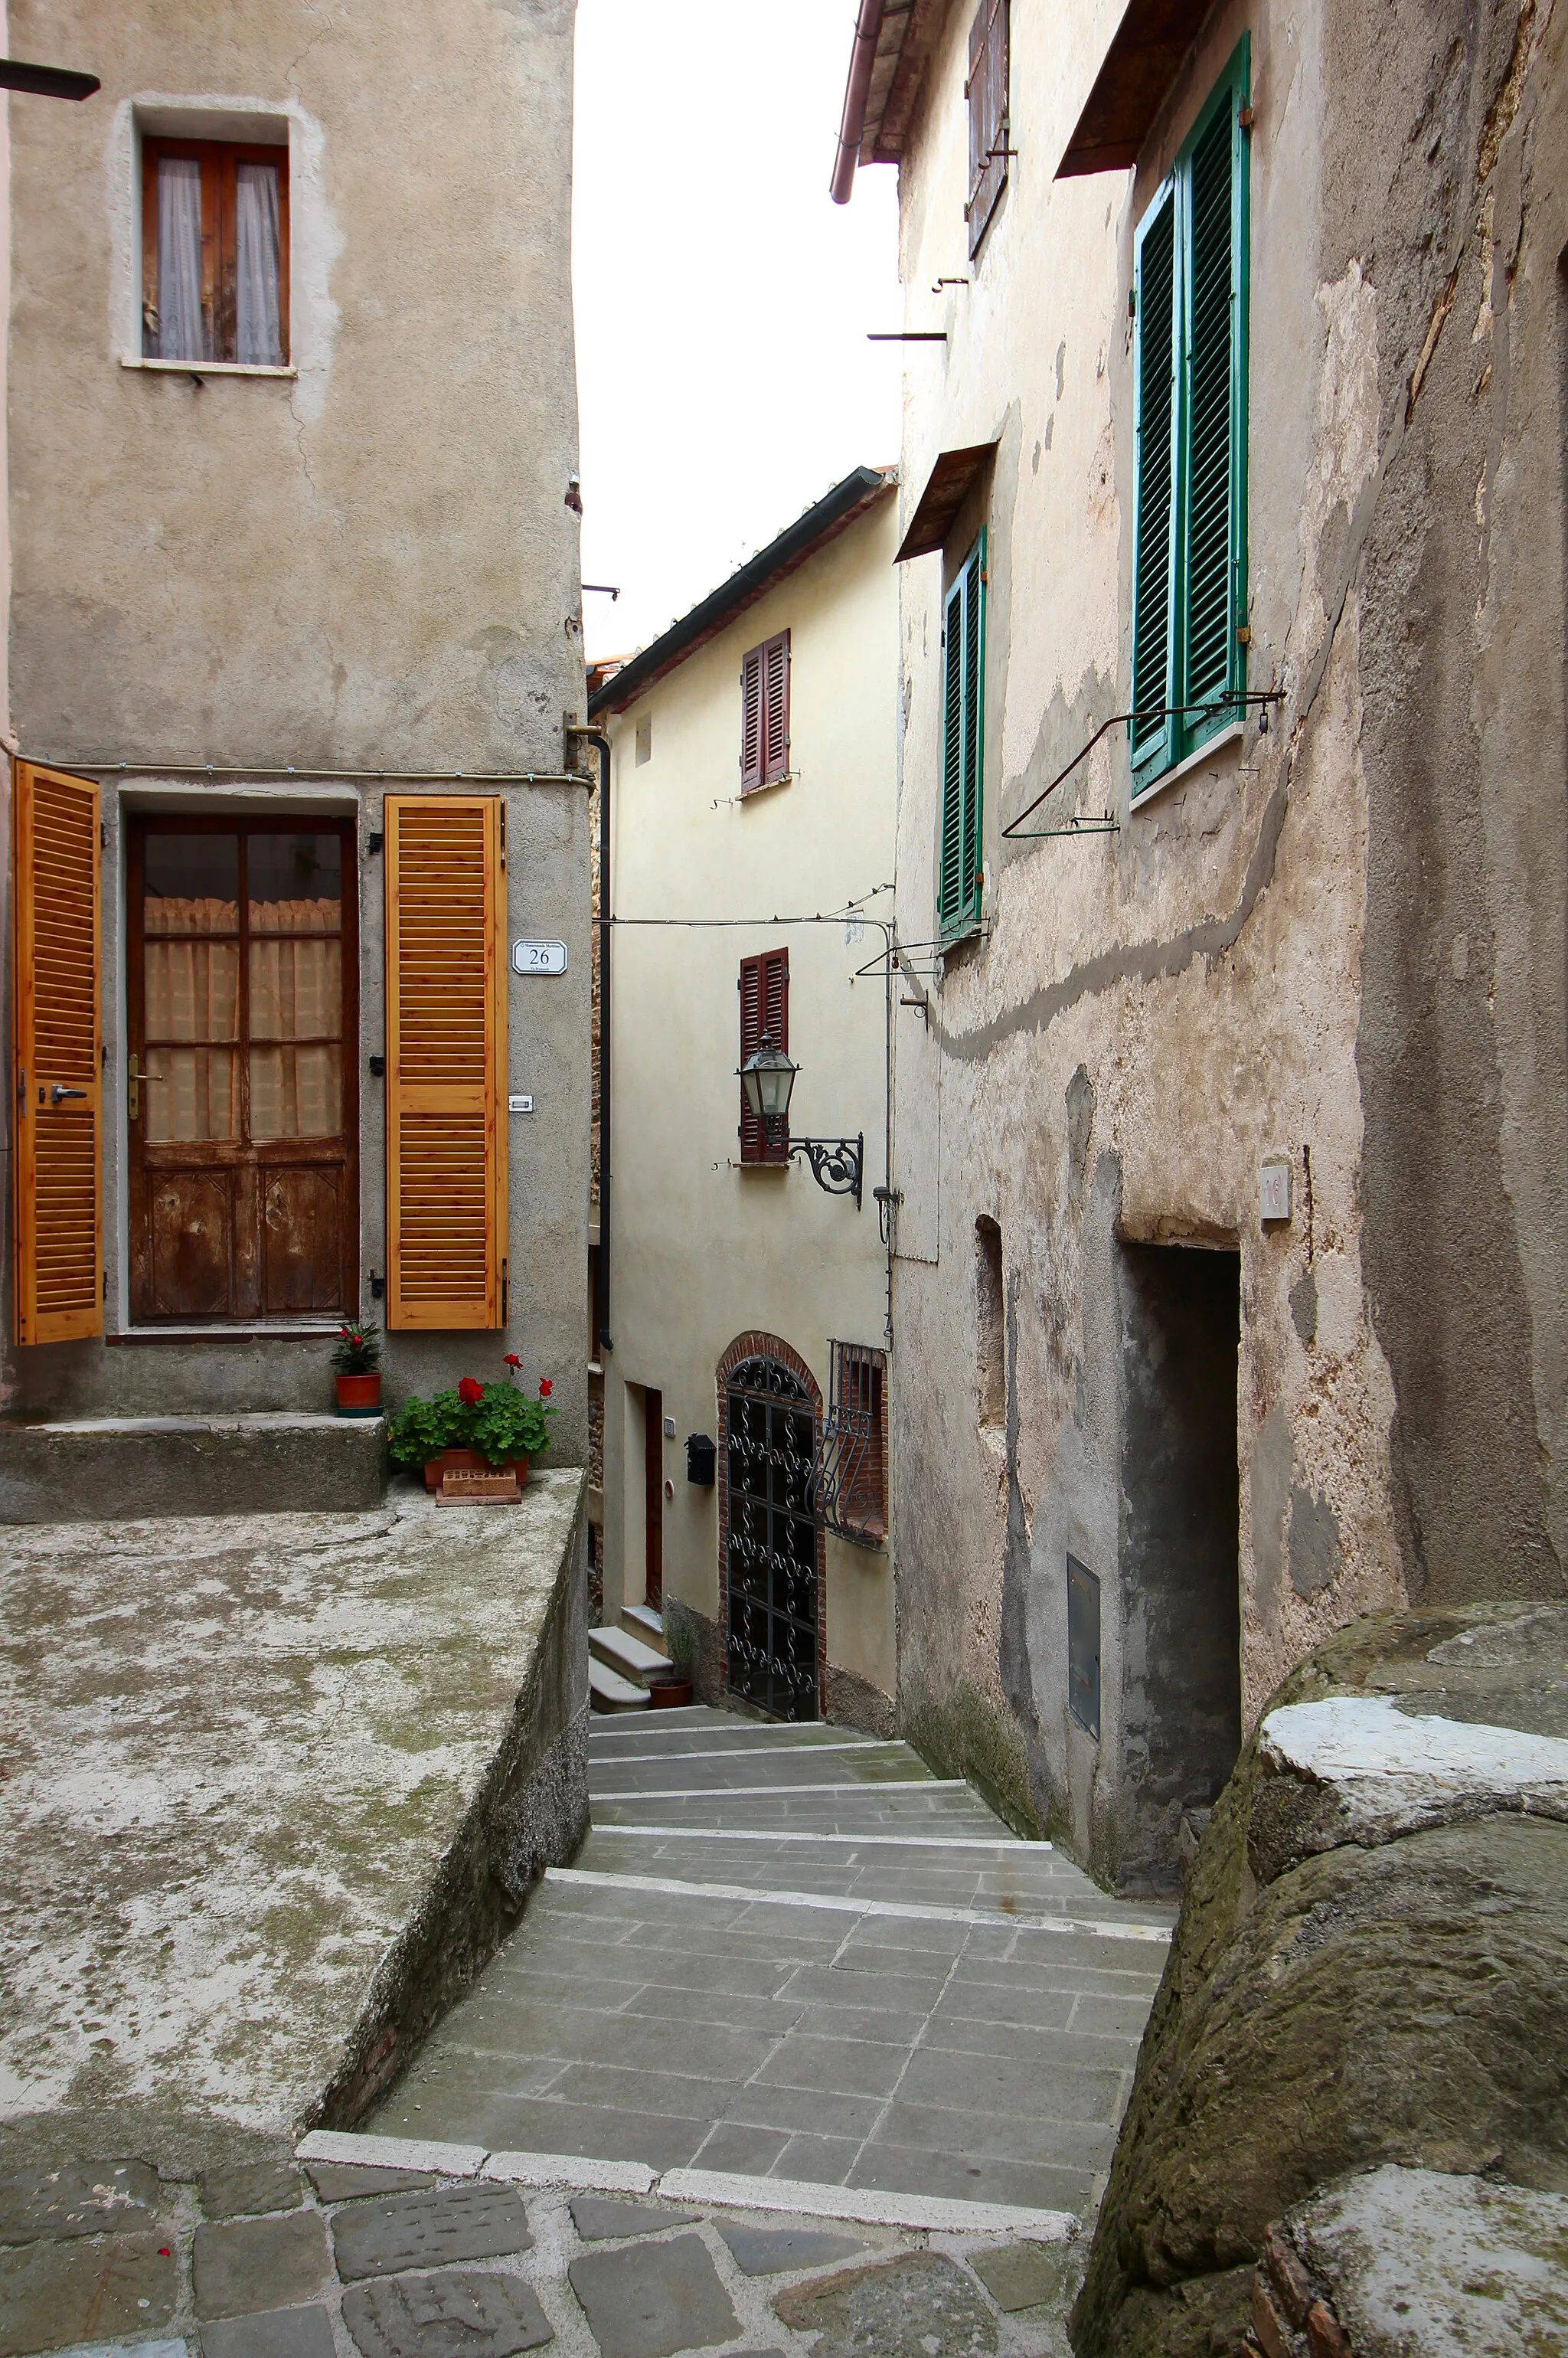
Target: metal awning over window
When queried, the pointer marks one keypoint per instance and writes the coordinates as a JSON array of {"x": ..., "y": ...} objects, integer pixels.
[{"x": 948, "y": 486}]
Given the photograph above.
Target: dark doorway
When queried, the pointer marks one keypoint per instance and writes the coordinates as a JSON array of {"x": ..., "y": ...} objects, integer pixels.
[
  {"x": 771, "y": 1548},
  {"x": 654, "y": 1497},
  {"x": 1181, "y": 1611},
  {"x": 242, "y": 1093}
]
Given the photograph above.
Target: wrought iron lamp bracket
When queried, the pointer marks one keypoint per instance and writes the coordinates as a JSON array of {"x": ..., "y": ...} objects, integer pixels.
[{"x": 837, "y": 1164}]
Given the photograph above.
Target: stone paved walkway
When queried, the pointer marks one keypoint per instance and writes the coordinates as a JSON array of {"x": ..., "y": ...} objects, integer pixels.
[
  {"x": 793, "y": 1952},
  {"x": 790, "y": 1957}
]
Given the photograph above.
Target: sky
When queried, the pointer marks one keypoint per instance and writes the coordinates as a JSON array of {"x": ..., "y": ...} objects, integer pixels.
[{"x": 723, "y": 298}]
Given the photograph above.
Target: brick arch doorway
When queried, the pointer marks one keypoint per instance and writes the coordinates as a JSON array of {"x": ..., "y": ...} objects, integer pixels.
[{"x": 772, "y": 1557}]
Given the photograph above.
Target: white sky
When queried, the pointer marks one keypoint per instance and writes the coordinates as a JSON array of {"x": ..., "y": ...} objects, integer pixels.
[{"x": 723, "y": 298}]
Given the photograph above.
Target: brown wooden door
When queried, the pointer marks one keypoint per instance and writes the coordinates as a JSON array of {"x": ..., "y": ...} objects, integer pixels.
[
  {"x": 242, "y": 1096},
  {"x": 653, "y": 1496}
]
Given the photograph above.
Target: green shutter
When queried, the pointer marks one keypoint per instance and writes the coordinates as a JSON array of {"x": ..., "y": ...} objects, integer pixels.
[
  {"x": 1155, "y": 484},
  {"x": 1189, "y": 589},
  {"x": 963, "y": 641}
]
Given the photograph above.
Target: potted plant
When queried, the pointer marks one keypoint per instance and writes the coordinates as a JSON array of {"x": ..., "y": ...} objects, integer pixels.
[
  {"x": 494, "y": 1426},
  {"x": 356, "y": 1366},
  {"x": 671, "y": 1692}
]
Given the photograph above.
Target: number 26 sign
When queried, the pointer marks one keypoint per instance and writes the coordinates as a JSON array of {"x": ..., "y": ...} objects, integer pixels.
[{"x": 539, "y": 957}]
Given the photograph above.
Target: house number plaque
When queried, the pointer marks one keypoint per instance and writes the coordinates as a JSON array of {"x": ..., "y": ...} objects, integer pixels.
[{"x": 539, "y": 957}]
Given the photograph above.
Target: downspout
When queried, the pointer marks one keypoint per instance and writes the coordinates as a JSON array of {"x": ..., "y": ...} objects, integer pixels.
[
  {"x": 862, "y": 57},
  {"x": 597, "y": 738}
]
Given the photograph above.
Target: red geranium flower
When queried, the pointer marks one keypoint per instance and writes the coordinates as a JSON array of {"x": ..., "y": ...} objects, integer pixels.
[
  {"x": 545, "y": 1387},
  {"x": 512, "y": 1360},
  {"x": 470, "y": 1392}
]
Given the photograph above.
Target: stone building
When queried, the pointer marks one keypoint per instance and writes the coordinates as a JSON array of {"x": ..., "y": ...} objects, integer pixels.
[
  {"x": 745, "y": 1361},
  {"x": 1231, "y": 1134},
  {"x": 295, "y": 632}
]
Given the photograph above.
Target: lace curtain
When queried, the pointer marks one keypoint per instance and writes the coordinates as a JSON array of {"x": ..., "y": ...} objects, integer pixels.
[
  {"x": 192, "y": 988},
  {"x": 182, "y": 330},
  {"x": 256, "y": 336}
]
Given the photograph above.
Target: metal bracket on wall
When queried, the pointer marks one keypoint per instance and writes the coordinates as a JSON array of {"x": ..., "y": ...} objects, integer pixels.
[{"x": 1216, "y": 707}]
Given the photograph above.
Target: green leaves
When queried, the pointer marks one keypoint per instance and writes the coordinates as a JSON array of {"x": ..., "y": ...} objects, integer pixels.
[{"x": 501, "y": 1424}]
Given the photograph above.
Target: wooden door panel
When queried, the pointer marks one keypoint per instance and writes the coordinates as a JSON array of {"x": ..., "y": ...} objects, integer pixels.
[
  {"x": 191, "y": 1244},
  {"x": 302, "y": 1228}
]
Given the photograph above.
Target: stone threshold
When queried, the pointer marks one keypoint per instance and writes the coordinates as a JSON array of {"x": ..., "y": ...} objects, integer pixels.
[
  {"x": 868, "y": 2206},
  {"x": 837, "y": 1903}
]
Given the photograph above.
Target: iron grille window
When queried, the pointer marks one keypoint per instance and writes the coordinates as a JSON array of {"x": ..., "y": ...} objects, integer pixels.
[
  {"x": 771, "y": 1552},
  {"x": 849, "y": 1479}
]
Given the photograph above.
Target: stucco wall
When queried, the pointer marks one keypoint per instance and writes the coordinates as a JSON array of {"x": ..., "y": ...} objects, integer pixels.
[
  {"x": 704, "y": 1250},
  {"x": 366, "y": 566},
  {"x": 1256, "y": 963}
]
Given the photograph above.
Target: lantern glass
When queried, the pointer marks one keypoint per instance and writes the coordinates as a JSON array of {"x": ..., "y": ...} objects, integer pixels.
[{"x": 767, "y": 1077}]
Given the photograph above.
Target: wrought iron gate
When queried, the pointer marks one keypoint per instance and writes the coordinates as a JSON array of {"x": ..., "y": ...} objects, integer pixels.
[{"x": 771, "y": 1571}]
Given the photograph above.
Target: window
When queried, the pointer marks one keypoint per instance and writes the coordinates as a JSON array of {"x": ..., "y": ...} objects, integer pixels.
[
  {"x": 644, "y": 741},
  {"x": 764, "y": 1008},
  {"x": 991, "y": 1327},
  {"x": 963, "y": 657},
  {"x": 765, "y": 714},
  {"x": 1083, "y": 1646},
  {"x": 851, "y": 1477},
  {"x": 214, "y": 252},
  {"x": 986, "y": 91},
  {"x": 1189, "y": 567}
]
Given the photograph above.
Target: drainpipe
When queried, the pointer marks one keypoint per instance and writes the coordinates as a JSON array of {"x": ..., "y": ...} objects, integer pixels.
[
  {"x": 597, "y": 738},
  {"x": 862, "y": 57}
]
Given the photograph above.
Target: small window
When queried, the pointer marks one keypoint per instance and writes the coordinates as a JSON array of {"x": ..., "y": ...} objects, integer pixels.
[
  {"x": 851, "y": 1469},
  {"x": 1189, "y": 563},
  {"x": 644, "y": 739},
  {"x": 764, "y": 1008},
  {"x": 991, "y": 1327},
  {"x": 765, "y": 714},
  {"x": 987, "y": 93},
  {"x": 214, "y": 252},
  {"x": 963, "y": 659},
  {"x": 1083, "y": 1646}
]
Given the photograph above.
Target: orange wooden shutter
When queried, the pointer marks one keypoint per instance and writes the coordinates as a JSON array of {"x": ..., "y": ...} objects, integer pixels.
[
  {"x": 59, "y": 1095},
  {"x": 445, "y": 1061}
]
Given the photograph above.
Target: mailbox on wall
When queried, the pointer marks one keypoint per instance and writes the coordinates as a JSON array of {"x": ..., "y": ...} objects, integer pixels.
[{"x": 701, "y": 1460}]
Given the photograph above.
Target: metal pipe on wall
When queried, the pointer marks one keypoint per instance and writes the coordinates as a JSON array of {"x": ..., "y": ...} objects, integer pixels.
[{"x": 597, "y": 738}]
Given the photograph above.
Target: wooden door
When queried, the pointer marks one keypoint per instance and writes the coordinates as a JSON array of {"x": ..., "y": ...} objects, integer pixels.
[
  {"x": 58, "y": 1091},
  {"x": 654, "y": 1497},
  {"x": 242, "y": 1091}
]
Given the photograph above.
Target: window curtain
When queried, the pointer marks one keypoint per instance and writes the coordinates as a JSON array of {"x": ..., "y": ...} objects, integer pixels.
[
  {"x": 182, "y": 331},
  {"x": 192, "y": 997},
  {"x": 297, "y": 995},
  {"x": 256, "y": 336}
]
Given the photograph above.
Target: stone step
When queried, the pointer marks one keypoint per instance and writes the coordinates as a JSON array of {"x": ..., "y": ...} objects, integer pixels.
[
  {"x": 128, "y": 1468},
  {"x": 608, "y": 1690},
  {"x": 645, "y": 1621},
  {"x": 628, "y": 1655}
]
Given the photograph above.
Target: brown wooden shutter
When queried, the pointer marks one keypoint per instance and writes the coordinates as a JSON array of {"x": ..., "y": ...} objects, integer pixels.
[
  {"x": 445, "y": 1061},
  {"x": 764, "y": 1007},
  {"x": 751, "y": 725},
  {"x": 987, "y": 114},
  {"x": 59, "y": 1095},
  {"x": 775, "y": 708}
]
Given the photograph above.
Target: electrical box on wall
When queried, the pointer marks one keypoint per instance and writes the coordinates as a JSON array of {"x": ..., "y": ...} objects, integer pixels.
[{"x": 1274, "y": 1189}]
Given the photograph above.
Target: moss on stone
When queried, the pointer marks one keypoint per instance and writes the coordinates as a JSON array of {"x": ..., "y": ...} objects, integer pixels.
[{"x": 967, "y": 1735}]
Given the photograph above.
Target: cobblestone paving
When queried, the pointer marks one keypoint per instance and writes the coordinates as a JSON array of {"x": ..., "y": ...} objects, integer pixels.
[{"x": 784, "y": 1954}]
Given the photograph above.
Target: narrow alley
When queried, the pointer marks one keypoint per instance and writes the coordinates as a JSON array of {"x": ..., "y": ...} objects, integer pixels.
[{"x": 791, "y": 1952}]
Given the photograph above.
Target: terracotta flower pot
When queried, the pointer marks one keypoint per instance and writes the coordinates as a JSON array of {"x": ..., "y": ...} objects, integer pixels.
[
  {"x": 359, "y": 1395},
  {"x": 469, "y": 1461},
  {"x": 669, "y": 1694}
]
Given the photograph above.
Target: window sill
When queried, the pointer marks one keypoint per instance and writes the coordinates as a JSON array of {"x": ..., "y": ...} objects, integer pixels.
[
  {"x": 238, "y": 1333},
  {"x": 1229, "y": 735},
  {"x": 766, "y": 785},
  {"x": 204, "y": 368}
]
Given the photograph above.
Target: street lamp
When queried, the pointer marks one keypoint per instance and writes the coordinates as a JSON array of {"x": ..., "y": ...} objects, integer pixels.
[{"x": 767, "y": 1081}]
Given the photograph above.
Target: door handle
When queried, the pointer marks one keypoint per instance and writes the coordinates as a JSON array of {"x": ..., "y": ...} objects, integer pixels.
[
  {"x": 136, "y": 1076},
  {"x": 59, "y": 1091}
]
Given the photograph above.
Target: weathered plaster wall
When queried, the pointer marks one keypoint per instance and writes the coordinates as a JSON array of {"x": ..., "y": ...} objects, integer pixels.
[
  {"x": 1147, "y": 1015},
  {"x": 369, "y": 565},
  {"x": 703, "y": 1249}
]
